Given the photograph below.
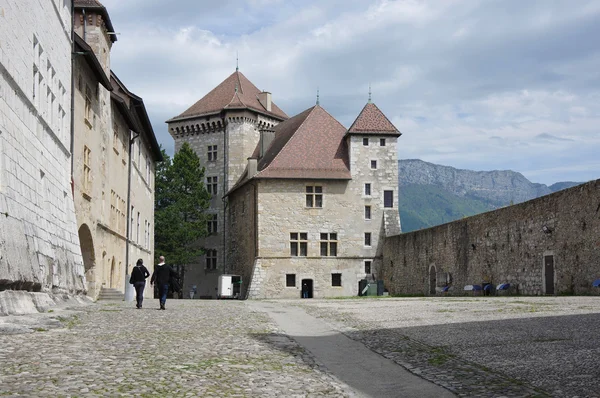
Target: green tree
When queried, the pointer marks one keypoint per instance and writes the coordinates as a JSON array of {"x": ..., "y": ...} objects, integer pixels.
[{"x": 180, "y": 201}]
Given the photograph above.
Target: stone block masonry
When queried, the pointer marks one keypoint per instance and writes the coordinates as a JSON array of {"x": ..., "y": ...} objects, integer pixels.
[
  {"x": 39, "y": 246},
  {"x": 549, "y": 245}
]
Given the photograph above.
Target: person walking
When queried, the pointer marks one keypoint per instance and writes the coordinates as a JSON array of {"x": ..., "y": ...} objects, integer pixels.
[
  {"x": 138, "y": 279},
  {"x": 162, "y": 276}
]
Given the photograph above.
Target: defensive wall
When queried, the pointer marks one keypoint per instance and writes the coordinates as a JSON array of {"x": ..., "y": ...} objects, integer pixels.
[{"x": 548, "y": 245}]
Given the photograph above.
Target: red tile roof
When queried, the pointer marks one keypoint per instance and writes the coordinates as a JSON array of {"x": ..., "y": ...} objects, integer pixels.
[
  {"x": 372, "y": 121},
  {"x": 224, "y": 96},
  {"x": 310, "y": 145}
]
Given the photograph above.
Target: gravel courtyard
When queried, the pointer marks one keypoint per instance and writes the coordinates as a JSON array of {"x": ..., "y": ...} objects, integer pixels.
[
  {"x": 473, "y": 346},
  {"x": 482, "y": 346}
]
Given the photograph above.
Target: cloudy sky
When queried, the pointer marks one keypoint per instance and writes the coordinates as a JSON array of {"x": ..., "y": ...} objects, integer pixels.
[{"x": 480, "y": 85}]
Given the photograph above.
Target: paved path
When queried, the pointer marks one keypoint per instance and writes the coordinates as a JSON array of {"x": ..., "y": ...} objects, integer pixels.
[
  {"x": 194, "y": 348},
  {"x": 368, "y": 373},
  {"x": 492, "y": 347}
]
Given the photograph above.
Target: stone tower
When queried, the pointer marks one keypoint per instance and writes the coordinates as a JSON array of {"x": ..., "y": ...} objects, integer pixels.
[
  {"x": 372, "y": 142},
  {"x": 223, "y": 128}
]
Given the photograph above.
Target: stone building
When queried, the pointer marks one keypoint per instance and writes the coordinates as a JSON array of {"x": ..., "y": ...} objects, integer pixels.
[
  {"x": 546, "y": 246},
  {"x": 223, "y": 129},
  {"x": 311, "y": 212},
  {"x": 297, "y": 202},
  {"x": 39, "y": 248},
  {"x": 114, "y": 152}
]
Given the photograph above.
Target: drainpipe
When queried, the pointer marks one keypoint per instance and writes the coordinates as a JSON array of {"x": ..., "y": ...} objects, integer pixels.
[
  {"x": 127, "y": 240},
  {"x": 72, "y": 143}
]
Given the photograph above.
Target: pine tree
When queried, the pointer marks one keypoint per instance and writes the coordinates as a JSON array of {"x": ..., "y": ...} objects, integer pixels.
[{"x": 180, "y": 200}]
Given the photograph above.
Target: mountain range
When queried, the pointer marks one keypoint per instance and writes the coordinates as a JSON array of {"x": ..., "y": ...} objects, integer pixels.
[{"x": 432, "y": 194}]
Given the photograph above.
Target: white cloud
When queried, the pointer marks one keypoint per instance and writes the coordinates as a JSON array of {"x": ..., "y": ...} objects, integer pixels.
[{"x": 479, "y": 85}]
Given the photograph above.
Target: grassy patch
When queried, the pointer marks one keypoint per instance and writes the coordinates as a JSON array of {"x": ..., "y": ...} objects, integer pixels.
[
  {"x": 69, "y": 321},
  {"x": 439, "y": 356},
  {"x": 40, "y": 329}
]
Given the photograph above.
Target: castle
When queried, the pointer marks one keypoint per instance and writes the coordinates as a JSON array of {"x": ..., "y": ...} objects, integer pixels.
[{"x": 301, "y": 205}]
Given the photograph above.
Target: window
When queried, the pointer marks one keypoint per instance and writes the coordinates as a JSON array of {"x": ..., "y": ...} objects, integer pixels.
[
  {"x": 137, "y": 237},
  {"x": 298, "y": 244},
  {"x": 211, "y": 259},
  {"x": 368, "y": 189},
  {"x": 87, "y": 168},
  {"x": 365, "y": 141},
  {"x": 367, "y": 266},
  {"x": 131, "y": 223},
  {"x": 116, "y": 138},
  {"x": 212, "y": 224},
  {"x": 211, "y": 185},
  {"x": 382, "y": 142},
  {"x": 367, "y": 239},
  {"x": 314, "y": 196},
  {"x": 88, "y": 104},
  {"x": 373, "y": 164},
  {"x": 290, "y": 280},
  {"x": 148, "y": 168},
  {"x": 388, "y": 198},
  {"x": 336, "y": 280},
  {"x": 212, "y": 153},
  {"x": 329, "y": 244},
  {"x": 367, "y": 212}
]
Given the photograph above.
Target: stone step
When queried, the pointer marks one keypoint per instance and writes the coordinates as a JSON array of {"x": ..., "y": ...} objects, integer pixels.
[{"x": 111, "y": 294}]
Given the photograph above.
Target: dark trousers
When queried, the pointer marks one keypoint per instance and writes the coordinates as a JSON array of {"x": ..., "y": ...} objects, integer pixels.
[
  {"x": 139, "y": 292},
  {"x": 162, "y": 293}
]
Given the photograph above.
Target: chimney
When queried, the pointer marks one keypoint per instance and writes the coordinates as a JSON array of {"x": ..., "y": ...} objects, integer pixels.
[
  {"x": 265, "y": 99},
  {"x": 252, "y": 167},
  {"x": 266, "y": 138}
]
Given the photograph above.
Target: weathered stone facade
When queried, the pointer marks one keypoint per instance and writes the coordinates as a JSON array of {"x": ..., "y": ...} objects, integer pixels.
[
  {"x": 112, "y": 141},
  {"x": 264, "y": 212},
  {"x": 549, "y": 245},
  {"x": 39, "y": 248}
]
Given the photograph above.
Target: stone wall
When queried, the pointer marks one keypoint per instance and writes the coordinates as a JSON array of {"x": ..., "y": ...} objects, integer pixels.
[
  {"x": 242, "y": 245},
  {"x": 510, "y": 245},
  {"x": 39, "y": 246}
]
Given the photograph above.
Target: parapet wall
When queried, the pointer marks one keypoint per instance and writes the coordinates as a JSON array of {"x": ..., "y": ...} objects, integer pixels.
[{"x": 549, "y": 245}]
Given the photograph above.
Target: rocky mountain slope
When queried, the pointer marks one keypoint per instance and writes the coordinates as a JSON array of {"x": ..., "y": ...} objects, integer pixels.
[{"x": 432, "y": 194}]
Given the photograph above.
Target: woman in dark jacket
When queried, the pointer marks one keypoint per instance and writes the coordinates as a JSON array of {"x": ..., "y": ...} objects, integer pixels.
[{"x": 138, "y": 278}]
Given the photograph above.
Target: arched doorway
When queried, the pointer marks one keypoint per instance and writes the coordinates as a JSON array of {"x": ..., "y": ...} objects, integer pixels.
[
  {"x": 548, "y": 274},
  {"x": 87, "y": 248},
  {"x": 86, "y": 242},
  {"x": 432, "y": 279},
  {"x": 111, "y": 277}
]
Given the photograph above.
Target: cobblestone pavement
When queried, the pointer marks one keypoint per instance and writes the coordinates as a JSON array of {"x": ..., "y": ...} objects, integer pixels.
[
  {"x": 484, "y": 347},
  {"x": 194, "y": 348},
  {"x": 481, "y": 346}
]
